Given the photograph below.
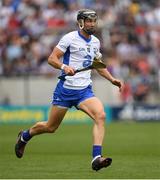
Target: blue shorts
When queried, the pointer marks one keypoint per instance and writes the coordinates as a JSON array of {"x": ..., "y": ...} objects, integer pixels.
[{"x": 68, "y": 97}]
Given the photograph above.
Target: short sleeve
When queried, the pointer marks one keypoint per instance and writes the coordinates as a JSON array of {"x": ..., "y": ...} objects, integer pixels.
[{"x": 64, "y": 43}]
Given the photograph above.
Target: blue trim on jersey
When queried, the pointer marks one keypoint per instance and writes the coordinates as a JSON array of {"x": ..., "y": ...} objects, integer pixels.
[
  {"x": 86, "y": 39},
  {"x": 66, "y": 58}
]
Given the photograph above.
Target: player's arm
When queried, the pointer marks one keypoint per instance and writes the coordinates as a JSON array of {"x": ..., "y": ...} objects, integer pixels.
[
  {"x": 54, "y": 61},
  {"x": 106, "y": 74}
]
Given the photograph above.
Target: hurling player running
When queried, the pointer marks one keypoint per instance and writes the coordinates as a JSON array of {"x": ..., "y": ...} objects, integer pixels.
[{"x": 75, "y": 50}]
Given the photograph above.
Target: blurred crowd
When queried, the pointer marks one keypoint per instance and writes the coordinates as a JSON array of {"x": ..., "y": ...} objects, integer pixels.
[{"x": 129, "y": 31}]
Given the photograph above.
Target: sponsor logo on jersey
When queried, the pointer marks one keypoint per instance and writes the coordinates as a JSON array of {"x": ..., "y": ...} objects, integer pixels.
[{"x": 81, "y": 49}]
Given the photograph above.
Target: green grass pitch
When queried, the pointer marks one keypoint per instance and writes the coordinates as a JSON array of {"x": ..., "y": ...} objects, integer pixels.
[{"x": 134, "y": 147}]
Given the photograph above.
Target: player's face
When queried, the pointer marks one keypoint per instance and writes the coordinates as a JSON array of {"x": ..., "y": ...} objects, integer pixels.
[{"x": 90, "y": 25}]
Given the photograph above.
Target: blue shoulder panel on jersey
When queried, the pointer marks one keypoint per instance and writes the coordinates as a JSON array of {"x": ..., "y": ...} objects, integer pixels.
[{"x": 66, "y": 56}]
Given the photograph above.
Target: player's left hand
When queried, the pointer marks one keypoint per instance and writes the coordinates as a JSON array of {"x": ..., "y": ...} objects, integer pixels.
[{"x": 118, "y": 83}]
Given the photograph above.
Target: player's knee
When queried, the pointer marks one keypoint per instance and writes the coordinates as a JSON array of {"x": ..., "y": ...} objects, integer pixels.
[{"x": 101, "y": 117}]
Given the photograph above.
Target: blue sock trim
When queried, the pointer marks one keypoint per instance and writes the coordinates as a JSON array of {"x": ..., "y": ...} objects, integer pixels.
[
  {"x": 97, "y": 150},
  {"x": 26, "y": 135}
]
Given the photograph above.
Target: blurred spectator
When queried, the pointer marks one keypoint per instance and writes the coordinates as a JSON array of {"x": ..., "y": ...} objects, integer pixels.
[
  {"x": 129, "y": 31},
  {"x": 140, "y": 86}
]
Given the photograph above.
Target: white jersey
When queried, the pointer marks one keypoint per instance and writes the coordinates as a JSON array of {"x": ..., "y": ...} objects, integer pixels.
[{"x": 79, "y": 52}]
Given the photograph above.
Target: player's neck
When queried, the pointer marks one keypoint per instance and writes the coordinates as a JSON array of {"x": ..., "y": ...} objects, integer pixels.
[{"x": 83, "y": 33}]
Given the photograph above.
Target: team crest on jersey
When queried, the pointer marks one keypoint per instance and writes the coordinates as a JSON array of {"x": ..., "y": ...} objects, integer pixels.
[
  {"x": 95, "y": 50},
  {"x": 88, "y": 48}
]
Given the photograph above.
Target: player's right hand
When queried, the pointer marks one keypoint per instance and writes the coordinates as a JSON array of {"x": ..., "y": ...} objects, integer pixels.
[{"x": 69, "y": 70}]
